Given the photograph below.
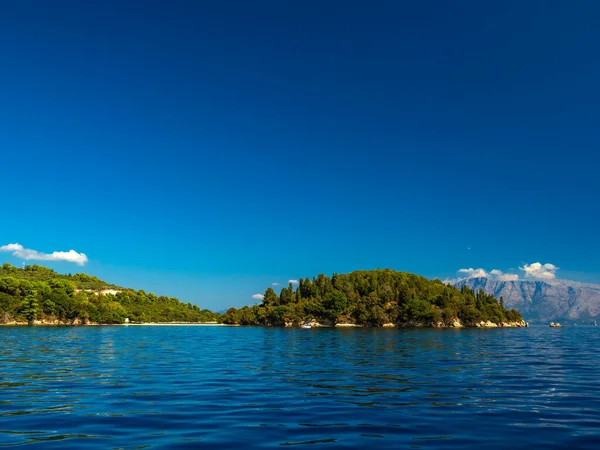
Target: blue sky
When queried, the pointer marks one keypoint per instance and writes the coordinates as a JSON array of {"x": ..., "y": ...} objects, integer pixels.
[{"x": 207, "y": 149}]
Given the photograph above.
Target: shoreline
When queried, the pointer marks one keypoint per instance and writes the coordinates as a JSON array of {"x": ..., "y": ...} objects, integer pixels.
[
  {"x": 408, "y": 325},
  {"x": 171, "y": 324},
  {"x": 151, "y": 324},
  {"x": 183, "y": 324}
]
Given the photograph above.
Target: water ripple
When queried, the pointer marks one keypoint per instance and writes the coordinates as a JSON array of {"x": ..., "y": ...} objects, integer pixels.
[{"x": 202, "y": 387}]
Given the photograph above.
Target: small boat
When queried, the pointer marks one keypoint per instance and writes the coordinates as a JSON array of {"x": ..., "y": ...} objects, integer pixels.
[{"x": 306, "y": 325}]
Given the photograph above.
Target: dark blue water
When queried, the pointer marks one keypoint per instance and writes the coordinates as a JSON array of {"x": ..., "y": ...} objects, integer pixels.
[{"x": 219, "y": 387}]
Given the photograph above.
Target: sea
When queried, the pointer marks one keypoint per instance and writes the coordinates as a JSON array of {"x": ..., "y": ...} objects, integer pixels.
[{"x": 185, "y": 387}]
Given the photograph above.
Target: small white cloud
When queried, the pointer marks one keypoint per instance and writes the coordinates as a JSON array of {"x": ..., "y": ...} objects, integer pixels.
[
  {"x": 293, "y": 281},
  {"x": 501, "y": 276},
  {"x": 536, "y": 271},
  {"x": 275, "y": 284},
  {"x": 540, "y": 271},
  {"x": 474, "y": 273},
  {"x": 494, "y": 274},
  {"x": 11, "y": 248},
  {"x": 258, "y": 296},
  {"x": 19, "y": 251}
]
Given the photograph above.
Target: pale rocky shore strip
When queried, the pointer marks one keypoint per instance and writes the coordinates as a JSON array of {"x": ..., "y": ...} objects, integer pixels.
[
  {"x": 93, "y": 324},
  {"x": 174, "y": 324},
  {"x": 457, "y": 323},
  {"x": 314, "y": 324}
]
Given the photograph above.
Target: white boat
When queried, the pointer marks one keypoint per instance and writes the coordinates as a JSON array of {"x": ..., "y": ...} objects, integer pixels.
[{"x": 305, "y": 325}]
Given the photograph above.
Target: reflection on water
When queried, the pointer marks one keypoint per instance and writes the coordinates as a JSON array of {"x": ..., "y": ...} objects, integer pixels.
[{"x": 193, "y": 387}]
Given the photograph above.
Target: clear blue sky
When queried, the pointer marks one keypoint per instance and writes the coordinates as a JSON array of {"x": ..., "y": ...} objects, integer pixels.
[{"x": 207, "y": 149}]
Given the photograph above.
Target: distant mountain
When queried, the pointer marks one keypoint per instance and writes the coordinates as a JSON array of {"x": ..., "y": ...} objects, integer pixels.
[{"x": 542, "y": 301}]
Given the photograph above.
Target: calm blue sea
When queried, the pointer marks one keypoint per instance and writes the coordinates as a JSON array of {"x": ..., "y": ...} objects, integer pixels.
[{"x": 220, "y": 387}]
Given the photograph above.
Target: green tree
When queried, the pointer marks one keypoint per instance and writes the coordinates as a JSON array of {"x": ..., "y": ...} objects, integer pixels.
[
  {"x": 58, "y": 284},
  {"x": 270, "y": 298},
  {"x": 279, "y": 315},
  {"x": 419, "y": 311},
  {"x": 376, "y": 316},
  {"x": 285, "y": 297},
  {"x": 10, "y": 285},
  {"x": 30, "y": 308},
  {"x": 335, "y": 302}
]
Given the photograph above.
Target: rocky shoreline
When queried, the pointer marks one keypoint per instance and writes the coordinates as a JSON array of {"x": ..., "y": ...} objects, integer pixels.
[
  {"x": 86, "y": 322},
  {"x": 314, "y": 324},
  {"x": 457, "y": 323},
  {"x": 50, "y": 322}
]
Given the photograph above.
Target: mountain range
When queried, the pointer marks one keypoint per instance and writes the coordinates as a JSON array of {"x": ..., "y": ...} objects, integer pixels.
[{"x": 542, "y": 301}]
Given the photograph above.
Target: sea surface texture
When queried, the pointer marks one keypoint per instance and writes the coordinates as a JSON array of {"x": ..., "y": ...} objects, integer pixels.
[{"x": 229, "y": 387}]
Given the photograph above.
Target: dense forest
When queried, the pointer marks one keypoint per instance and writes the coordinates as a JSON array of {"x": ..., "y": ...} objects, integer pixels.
[
  {"x": 369, "y": 298},
  {"x": 373, "y": 298},
  {"x": 39, "y": 293}
]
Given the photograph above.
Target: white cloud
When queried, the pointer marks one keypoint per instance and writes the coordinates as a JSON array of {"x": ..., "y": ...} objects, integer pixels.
[
  {"x": 540, "y": 271},
  {"x": 293, "y": 281},
  {"x": 27, "y": 254},
  {"x": 258, "y": 296},
  {"x": 474, "y": 273},
  {"x": 537, "y": 271},
  {"x": 11, "y": 248},
  {"x": 501, "y": 276},
  {"x": 275, "y": 284},
  {"x": 494, "y": 274}
]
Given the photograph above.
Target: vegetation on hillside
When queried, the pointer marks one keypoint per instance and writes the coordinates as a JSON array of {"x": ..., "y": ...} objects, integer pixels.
[
  {"x": 39, "y": 293},
  {"x": 372, "y": 298}
]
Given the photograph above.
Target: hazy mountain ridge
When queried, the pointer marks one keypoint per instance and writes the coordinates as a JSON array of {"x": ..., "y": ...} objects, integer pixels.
[{"x": 542, "y": 300}]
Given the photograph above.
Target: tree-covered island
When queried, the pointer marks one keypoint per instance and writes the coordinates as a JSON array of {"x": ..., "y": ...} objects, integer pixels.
[
  {"x": 376, "y": 298},
  {"x": 39, "y": 295}
]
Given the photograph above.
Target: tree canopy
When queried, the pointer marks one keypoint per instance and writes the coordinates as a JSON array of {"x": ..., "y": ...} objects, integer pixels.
[
  {"x": 37, "y": 292},
  {"x": 372, "y": 298}
]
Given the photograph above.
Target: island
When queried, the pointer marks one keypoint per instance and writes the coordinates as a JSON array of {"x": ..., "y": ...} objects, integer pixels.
[
  {"x": 37, "y": 295},
  {"x": 376, "y": 298}
]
